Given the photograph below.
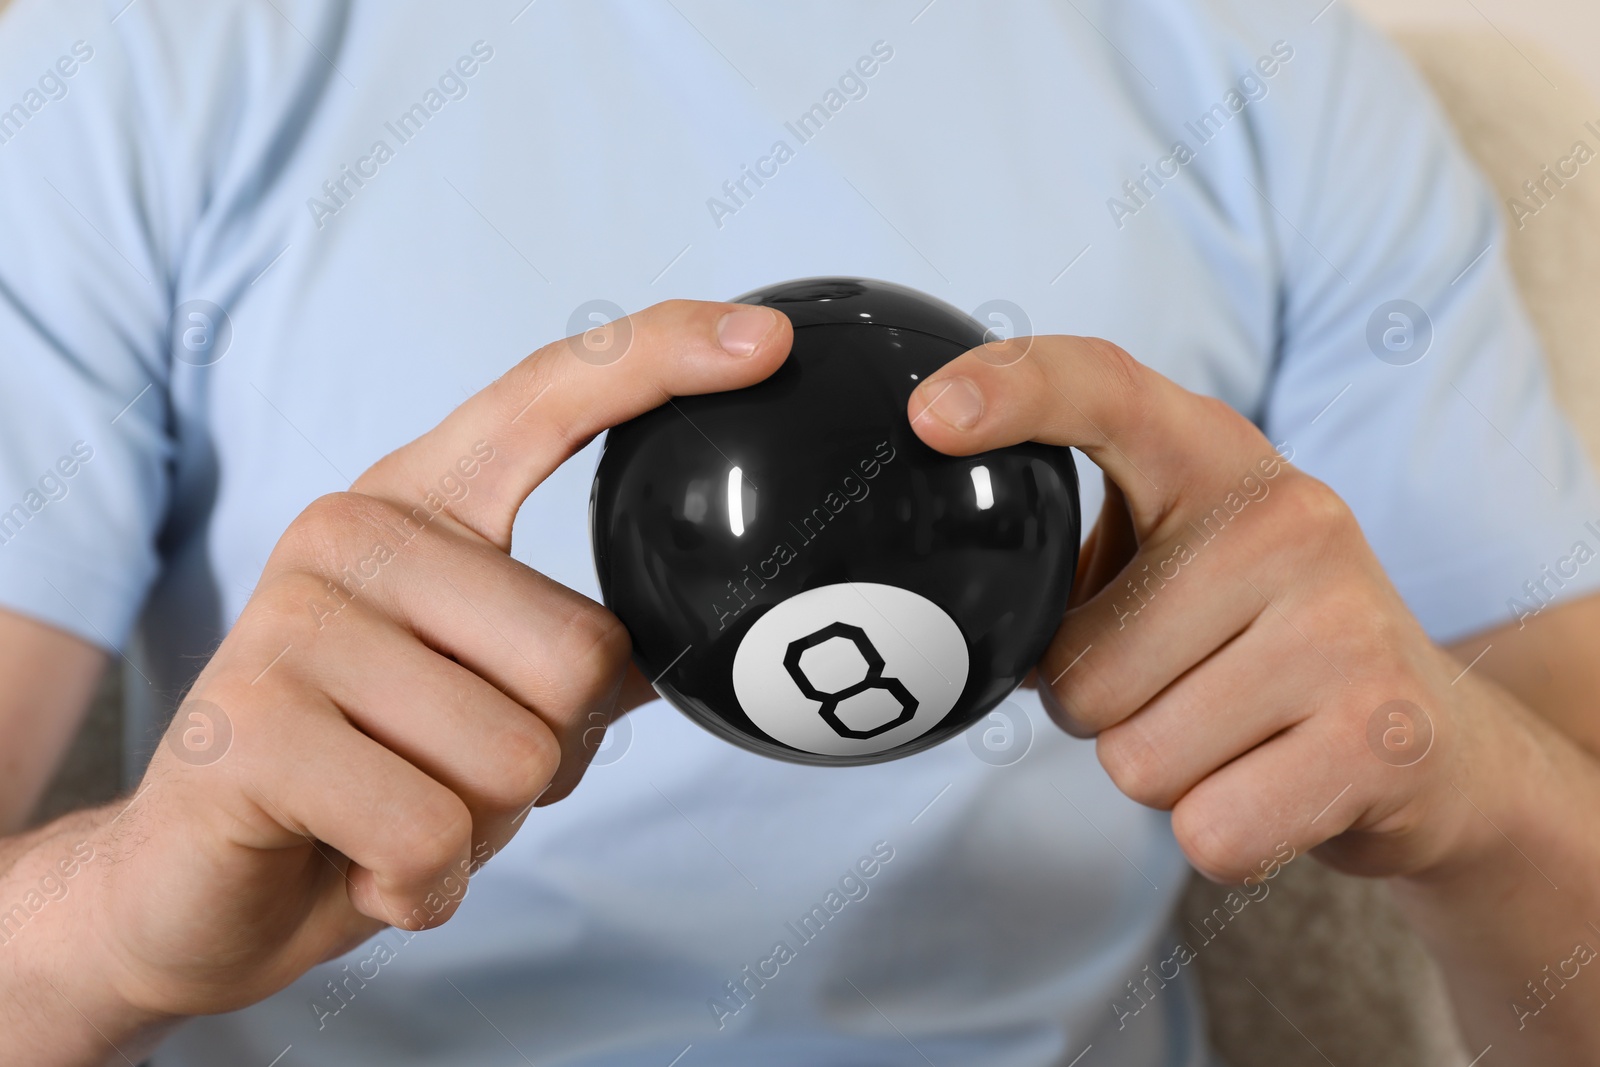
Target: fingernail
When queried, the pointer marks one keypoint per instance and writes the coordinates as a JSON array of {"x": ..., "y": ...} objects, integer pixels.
[
  {"x": 739, "y": 332},
  {"x": 954, "y": 401}
]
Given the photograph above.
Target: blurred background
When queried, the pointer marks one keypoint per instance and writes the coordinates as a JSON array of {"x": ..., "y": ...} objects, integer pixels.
[{"x": 1568, "y": 29}]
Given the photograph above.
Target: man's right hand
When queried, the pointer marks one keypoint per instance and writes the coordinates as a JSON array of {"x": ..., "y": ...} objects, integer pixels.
[{"x": 395, "y": 696}]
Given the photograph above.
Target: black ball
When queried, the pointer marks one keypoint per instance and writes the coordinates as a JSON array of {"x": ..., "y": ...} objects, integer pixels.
[{"x": 801, "y": 574}]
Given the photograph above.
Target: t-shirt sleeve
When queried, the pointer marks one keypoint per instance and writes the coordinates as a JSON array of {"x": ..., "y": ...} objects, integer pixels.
[
  {"x": 1409, "y": 377},
  {"x": 85, "y": 448},
  {"x": 135, "y": 139}
]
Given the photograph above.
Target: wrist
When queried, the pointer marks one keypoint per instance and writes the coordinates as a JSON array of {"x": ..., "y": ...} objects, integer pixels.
[
  {"x": 1504, "y": 799},
  {"x": 59, "y": 1001},
  {"x": 1518, "y": 889}
]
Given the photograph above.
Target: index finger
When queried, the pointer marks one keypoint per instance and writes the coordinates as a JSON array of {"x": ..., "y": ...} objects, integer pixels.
[
  {"x": 526, "y": 423},
  {"x": 1163, "y": 445}
]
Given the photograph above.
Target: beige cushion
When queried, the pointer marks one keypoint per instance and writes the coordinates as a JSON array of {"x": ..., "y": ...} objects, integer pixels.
[
  {"x": 1348, "y": 982},
  {"x": 1322, "y": 969},
  {"x": 1514, "y": 121}
]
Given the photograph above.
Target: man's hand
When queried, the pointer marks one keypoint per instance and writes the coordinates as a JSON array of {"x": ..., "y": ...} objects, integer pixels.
[
  {"x": 394, "y": 698},
  {"x": 1241, "y": 658},
  {"x": 1232, "y": 634}
]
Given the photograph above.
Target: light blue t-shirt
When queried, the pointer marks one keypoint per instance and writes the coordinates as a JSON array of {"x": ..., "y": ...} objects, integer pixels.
[{"x": 394, "y": 202}]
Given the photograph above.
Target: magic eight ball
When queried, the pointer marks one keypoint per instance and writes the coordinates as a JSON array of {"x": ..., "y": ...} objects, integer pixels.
[{"x": 800, "y": 574}]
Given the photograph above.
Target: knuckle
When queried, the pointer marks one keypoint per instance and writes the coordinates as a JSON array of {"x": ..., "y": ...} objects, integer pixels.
[
  {"x": 1217, "y": 408},
  {"x": 526, "y": 758},
  {"x": 678, "y": 309},
  {"x": 346, "y": 510},
  {"x": 1005, "y": 352},
  {"x": 1135, "y": 766},
  {"x": 1065, "y": 712},
  {"x": 669, "y": 319},
  {"x": 1208, "y": 838},
  {"x": 322, "y": 533},
  {"x": 1318, "y": 509},
  {"x": 509, "y": 395},
  {"x": 1088, "y": 700},
  {"x": 441, "y": 833},
  {"x": 1114, "y": 361},
  {"x": 283, "y": 597},
  {"x": 1218, "y": 413},
  {"x": 1125, "y": 376},
  {"x": 597, "y": 645}
]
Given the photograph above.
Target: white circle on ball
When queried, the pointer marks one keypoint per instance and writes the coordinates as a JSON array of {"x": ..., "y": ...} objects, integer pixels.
[{"x": 850, "y": 669}]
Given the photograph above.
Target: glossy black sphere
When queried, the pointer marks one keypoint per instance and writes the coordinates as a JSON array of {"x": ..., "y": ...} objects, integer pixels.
[{"x": 801, "y": 574}]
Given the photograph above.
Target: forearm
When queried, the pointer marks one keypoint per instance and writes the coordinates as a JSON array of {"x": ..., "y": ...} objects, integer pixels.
[
  {"x": 58, "y": 1006},
  {"x": 50, "y": 678},
  {"x": 1514, "y": 917}
]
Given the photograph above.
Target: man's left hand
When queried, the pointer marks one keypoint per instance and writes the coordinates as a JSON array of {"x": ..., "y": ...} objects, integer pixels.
[{"x": 1233, "y": 645}]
